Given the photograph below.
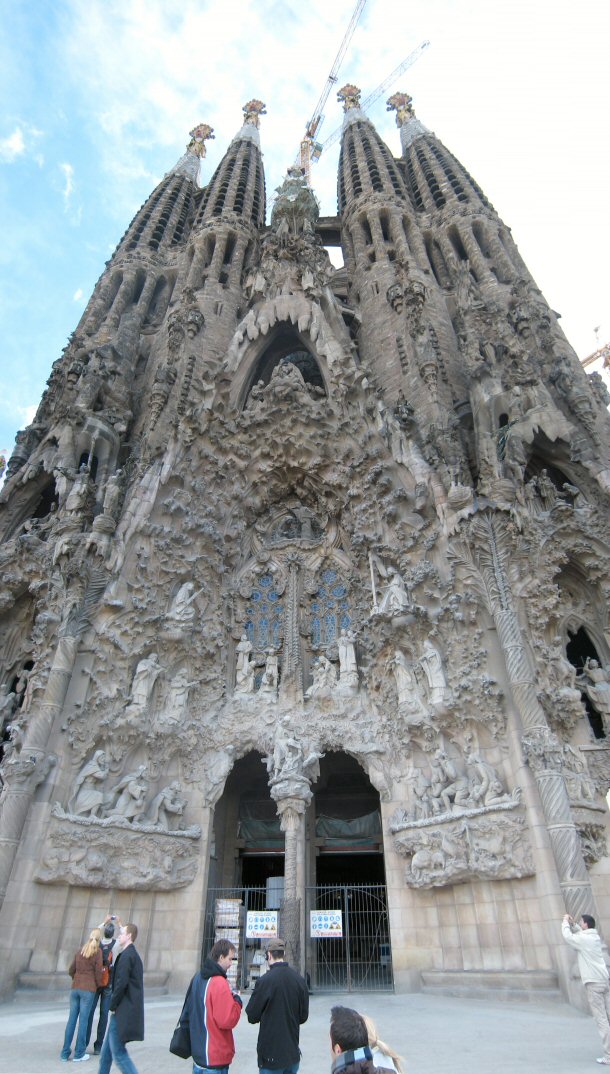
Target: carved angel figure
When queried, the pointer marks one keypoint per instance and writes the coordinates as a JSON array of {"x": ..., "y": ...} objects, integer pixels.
[
  {"x": 165, "y": 805},
  {"x": 244, "y": 668}
]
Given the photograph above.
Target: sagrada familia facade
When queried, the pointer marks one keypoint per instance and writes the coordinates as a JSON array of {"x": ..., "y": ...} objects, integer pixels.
[{"x": 288, "y": 546}]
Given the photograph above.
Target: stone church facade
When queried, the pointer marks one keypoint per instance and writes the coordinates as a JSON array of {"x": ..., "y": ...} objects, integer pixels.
[{"x": 289, "y": 546}]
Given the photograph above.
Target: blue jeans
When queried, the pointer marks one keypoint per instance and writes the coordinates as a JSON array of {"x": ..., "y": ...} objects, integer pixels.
[
  {"x": 287, "y": 1070},
  {"x": 209, "y": 1070},
  {"x": 114, "y": 1049},
  {"x": 81, "y": 1003},
  {"x": 103, "y": 994}
]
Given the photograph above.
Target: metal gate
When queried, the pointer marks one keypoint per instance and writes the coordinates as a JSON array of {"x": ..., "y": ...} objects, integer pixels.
[{"x": 360, "y": 959}]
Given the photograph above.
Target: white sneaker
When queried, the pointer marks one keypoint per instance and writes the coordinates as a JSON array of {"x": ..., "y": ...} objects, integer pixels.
[
  {"x": 605, "y": 1062},
  {"x": 86, "y": 1056}
]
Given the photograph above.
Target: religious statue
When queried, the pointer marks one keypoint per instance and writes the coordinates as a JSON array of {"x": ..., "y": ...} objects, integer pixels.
[
  {"x": 77, "y": 497},
  {"x": 287, "y": 762},
  {"x": 348, "y": 667},
  {"x": 145, "y": 677},
  {"x": 177, "y": 700},
  {"x": 395, "y": 599},
  {"x": 324, "y": 677},
  {"x": 487, "y": 788},
  {"x": 406, "y": 686},
  {"x": 88, "y": 795},
  {"x": 244, "y": 669},
  {"x": 269, "y": 681},
  {"x": 129, "y": 796},
  {"x": 165, "y": 805},
  {"x": 112, "y": 494},
  {"x": 182, "y": 609},
  {"x": 218, "y": 764},
  {"x": 596, "y": 682},
  {"x": 432, "y": 666}
]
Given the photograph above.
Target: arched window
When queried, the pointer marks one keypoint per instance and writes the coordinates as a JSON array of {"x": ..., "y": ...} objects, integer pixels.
[
  {"x": 579, "y": 650},
  {"x": 265, "y": 615},
  {"x": 329, "y": 610}
]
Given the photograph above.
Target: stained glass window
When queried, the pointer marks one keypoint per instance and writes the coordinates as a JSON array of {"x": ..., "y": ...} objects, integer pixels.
[
  {"x": 265, "y": 615},
  {"x": 329, "y": 610}
]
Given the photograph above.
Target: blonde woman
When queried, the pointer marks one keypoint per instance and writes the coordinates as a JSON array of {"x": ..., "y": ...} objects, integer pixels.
[
  {"x": 384, "y": 1058},
  {"x": 86, "y": 973}
]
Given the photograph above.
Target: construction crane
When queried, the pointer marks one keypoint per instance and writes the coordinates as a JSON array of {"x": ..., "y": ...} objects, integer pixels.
[
  {"x": 308, "y": 141},
  {"x": 317, "y": 149}
]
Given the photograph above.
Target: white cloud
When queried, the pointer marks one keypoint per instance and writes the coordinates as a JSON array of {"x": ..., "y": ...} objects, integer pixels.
[
  {"x": 68, "y": 174},
  {"x": 12, "y": 146},
  {"x": 78, "y": 295}
]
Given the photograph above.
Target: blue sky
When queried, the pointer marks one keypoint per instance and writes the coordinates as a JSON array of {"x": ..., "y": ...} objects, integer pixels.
[{"x": 98, "y": 97}]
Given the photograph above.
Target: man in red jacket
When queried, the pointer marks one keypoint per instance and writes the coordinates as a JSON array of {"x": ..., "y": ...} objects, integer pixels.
[{"x": 213, "y": 1010}]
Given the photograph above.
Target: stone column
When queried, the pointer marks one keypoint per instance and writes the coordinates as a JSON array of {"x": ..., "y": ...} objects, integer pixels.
[
  {"x": 292, "y": 814},
  {"x": 541, "y": 749},
  {"x": 26, "y": 772}
]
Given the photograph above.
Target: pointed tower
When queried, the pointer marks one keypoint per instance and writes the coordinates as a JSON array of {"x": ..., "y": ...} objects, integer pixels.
[{"x": 304, "y": 592}]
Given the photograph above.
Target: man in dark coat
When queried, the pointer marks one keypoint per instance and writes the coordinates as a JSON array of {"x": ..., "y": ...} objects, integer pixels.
[
  {"x": 126, "y": 1005},
  {"x": 280, "y": 1002}
]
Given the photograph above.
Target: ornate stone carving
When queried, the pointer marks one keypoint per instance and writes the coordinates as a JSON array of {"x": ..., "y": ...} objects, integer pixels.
[
  {"x": 454, "y": 852},
  {"x": 85, "y": 852}
]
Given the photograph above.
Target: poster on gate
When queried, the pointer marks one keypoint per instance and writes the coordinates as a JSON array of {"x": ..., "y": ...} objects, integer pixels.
[
  {"x": 325, "y": 923},
  {"x": 261, "y": 924}
]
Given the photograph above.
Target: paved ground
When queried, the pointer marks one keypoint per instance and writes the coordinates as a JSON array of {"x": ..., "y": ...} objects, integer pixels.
[{"x": 435, "y": 1034}]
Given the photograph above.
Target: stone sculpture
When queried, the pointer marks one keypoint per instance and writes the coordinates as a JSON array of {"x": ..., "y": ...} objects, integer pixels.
[
  {"x": 432, "y": 665},
  {"x": 348, "y": 667},
  {"x": 244, "y": 669},
  {"x": 408, "y": 692},
  {"x": 596, "y": 682},
  {"x": 145, "y": 677},
  {"x": 88, "y": 794},
  {"x": 324, "y": 677},
  {"x": 166, "y": 805},
  {"x": 129, "y": 796},
  {"x": 182, "y": 609}
]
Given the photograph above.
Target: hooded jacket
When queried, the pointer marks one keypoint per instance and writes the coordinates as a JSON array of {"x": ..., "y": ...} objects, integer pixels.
[{"x": 212, "y": 1011}]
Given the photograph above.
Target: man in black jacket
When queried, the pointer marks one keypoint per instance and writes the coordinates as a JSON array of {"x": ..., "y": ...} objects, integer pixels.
[
  {"x": 126, "y": 1005},
  {"x": 280, "y": 1002}
]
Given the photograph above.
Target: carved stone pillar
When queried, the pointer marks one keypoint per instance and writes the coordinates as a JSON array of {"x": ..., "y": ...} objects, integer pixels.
[
  {"x": 292, "y": 814},
  {"x": 24, "y": 774},
  {"x": 540, "y": 747}
]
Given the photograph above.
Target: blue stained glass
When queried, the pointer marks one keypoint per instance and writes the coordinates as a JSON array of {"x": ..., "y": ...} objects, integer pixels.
[
  {"x": 276, "y": 635},
  {"x": 255, "y": 596},
  {"x": 264, "y": 615},
  {"x": 266, "y": 581},
  {"x": 330, "y": 610}
]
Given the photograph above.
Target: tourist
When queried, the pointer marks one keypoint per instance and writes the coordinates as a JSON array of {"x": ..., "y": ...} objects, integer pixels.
[
  {"x": 349, "y": 1043},
  {"x": 280, "y": 1004},
  {"x": 126, "y": 1005},
  {"x": 86, "y": 973},
  {"x": 110, "y": 949},
  {"x": 384, "y": 1057},
  {"x": 585, "y": 938},
  {"x": 211, "y": 1011}
]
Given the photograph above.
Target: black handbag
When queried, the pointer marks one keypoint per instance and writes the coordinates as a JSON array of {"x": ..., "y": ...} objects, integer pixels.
[{"x": 180, "y": 1043}]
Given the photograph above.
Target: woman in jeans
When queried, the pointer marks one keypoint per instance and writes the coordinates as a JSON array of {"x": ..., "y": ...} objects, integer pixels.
[{"x": 86, "y": 973}]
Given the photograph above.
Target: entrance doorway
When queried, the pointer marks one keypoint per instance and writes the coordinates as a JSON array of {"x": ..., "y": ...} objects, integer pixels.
[{"x": 346, "y": 915}]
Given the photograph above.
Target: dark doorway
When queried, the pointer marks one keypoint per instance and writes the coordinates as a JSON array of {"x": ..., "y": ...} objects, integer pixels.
[{"x": 350, "y": 869}]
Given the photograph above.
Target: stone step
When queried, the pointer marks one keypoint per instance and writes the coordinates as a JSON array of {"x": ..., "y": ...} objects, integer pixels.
[
  {"x": 52, "y": 986},
  {"x": 520, "y": 985}
]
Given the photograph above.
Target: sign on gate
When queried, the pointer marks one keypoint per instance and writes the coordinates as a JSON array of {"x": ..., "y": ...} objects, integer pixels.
[
  {"x": 261, "y": 924},
  {"x": 325, "y": 923}
]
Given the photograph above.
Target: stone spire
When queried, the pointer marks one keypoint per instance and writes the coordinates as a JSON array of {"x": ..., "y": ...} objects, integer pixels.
[
  {"x": 366, "y": 165},
  {"x": 238, "y": 184}
]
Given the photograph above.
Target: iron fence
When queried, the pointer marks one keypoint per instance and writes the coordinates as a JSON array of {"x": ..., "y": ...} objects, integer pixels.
[{"x": 359, "y": 959}]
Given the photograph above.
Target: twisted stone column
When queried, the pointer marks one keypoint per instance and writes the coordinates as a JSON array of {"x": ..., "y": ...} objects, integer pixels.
[
  {"x": 26, "y": 772},
  {"x": 541, "y": 748}
]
